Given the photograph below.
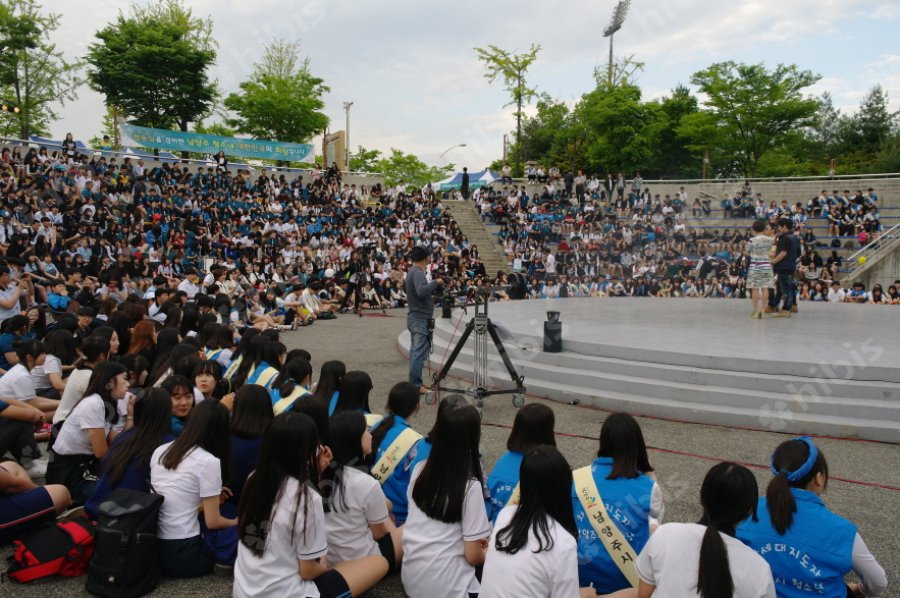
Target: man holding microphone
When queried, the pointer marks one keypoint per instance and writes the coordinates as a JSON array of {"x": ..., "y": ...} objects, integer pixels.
[{"x": 419, "y": 320}]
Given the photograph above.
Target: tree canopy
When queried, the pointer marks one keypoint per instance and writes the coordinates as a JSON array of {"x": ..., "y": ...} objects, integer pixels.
[
  {"x": 154, "y": 64},
  {"x": 282, "y": 99}
]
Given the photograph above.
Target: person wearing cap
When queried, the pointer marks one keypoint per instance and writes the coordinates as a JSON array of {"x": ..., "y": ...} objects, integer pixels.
[
  {"x": 421, "y": 311},
  {"x": 809, "y": 548}
]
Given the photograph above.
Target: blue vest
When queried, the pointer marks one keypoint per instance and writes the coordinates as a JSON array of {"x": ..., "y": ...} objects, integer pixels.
[
  {"x": 395, "y": 487},
  {"x": 258, "y": 372},
  {"x": 503, "y": 480},
  {"x": 628, "y": 503},
  {"x": 812, "y": 557}
]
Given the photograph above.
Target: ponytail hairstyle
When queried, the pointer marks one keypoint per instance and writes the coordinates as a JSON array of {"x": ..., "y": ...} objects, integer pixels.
[
  {"x": 288, "y": 450},
  {"x": 354, "y": 392},
  {"x": 621, "y": 438},
  {"x": 728, "y": 495},
  {"x": 532, "y": 427},
  {"x": 330, "y": 377},
  {"x": 794, "y": 464},
  {"x": 545, "y": 485},
  {"x": 453, "y": 464},
  {"x": 292, "y": 375},
  {"x": 403, "y": 401},
  {"x": 347, "y": 429},
  {"x": 250, "y": 358}
]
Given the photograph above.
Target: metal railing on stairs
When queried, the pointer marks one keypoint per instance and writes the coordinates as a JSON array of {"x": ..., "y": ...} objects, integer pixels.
[{"x": 871, "y": 253}]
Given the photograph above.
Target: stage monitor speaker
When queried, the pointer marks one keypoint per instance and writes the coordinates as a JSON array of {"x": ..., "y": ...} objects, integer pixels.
[{"x": 553, "y": 337}]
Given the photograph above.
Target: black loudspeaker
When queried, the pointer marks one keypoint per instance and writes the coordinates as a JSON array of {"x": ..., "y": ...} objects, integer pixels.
[{"x": 553, "y": 337}]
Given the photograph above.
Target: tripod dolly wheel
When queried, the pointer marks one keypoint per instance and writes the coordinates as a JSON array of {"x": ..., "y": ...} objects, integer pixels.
[
  {"x": 429, "y": 397},
  {"x": 518, "y": 400}
]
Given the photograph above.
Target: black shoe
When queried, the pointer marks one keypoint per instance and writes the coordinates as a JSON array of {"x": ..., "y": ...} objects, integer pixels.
[{"x": 223, "y": 570}]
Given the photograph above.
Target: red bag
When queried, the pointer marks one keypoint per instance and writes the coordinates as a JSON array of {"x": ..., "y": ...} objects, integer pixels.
[{"x": 59, "y": 548}]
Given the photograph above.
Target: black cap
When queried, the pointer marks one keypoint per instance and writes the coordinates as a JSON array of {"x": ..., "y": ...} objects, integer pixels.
[{"x": 418, "y": 253}]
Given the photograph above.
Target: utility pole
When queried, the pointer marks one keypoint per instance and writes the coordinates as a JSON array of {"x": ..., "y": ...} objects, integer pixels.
[{"x": 347, "y": 106}]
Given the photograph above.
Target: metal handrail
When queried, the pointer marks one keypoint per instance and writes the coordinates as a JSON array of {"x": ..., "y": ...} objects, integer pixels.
[{"x": 886, "y": 242}]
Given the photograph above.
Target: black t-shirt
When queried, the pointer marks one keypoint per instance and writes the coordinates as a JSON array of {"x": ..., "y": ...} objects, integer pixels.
[{"x": 787, "y": 243}]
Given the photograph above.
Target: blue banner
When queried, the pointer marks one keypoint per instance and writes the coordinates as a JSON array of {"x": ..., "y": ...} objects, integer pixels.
[{"x": 164, "y": 139}]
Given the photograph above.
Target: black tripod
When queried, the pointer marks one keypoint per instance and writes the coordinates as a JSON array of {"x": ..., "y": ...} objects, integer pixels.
[{"x": 482, "y": 326}]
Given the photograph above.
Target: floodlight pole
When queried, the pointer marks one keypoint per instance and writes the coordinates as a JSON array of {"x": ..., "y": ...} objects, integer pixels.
[
  {"x": 609, "y": 70},
  {"x": 615, "y": 23},
  {"x": 347, "y": 106}
]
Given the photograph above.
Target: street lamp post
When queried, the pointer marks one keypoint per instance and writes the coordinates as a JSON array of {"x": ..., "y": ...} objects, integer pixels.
[
  {"x": 452, "y": 147},
  {"x": 615, "y": 23},
  {"x": 347, "y": 106}
]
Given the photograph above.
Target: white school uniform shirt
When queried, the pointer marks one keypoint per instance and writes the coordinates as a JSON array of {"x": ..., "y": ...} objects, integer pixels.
[
  {"x": 670, "y": 561},
  {"x": 198, "y": 476},
  {"x": 275, "y": 572},
  {"x": 349, "y": 536},
  {"x": 547, "y": 574},
  {"x": 76, "y": 385},
  {"x": 88, "y": 414},
  {"x": 17, "y": 383},
  {"x": 434, "y": 562}
]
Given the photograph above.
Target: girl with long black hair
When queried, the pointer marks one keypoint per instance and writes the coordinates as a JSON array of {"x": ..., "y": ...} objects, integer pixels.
[
  {"x": 532, "y": 427},
  {"x": 127, "y": 464},
  {"x": 327, "y": 388},
  {"x": 189, "y": 473},
  {"x": 268, "y": 367},
  {"x": 705, "y": 559},
  {"x": 395, "y": 444},
  {"x": 792, "y": 514},
  {"x": 533, "y": 550},
  {"x": 353, "y": 395},
  {"x": 291, "y": 385},
  {"x": 447, "y": 520},
  {"x": 250, "y": 420},
  {"x": 356, "y": 513},
  {"x": 621, "y": 475},
  {"x": 282, "y": 533}
]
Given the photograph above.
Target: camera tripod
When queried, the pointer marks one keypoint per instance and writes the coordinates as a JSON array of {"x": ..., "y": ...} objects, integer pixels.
[{"x": 482, "y": 326}]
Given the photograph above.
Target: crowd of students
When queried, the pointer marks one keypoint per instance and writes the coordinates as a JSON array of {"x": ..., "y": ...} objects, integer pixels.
[{"x": 321, "y": 497}]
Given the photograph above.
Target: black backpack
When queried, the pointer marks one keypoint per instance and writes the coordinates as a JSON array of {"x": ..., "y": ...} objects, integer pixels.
[{"x": 126, "y": 551}]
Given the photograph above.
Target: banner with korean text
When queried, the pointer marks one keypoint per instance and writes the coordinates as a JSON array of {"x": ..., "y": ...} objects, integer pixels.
[{"x": 164, "y": 139}]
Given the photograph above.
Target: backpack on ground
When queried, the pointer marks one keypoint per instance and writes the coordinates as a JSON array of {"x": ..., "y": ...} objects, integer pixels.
[
  {"x": 58, "y": 548},
  {"x": 126, "y": 553}
]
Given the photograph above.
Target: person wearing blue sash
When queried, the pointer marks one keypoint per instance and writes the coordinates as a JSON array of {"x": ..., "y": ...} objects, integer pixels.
[
  {"x": 809, "y": 548},
  {"x": 243, "y": 351},
  {"x": 291, "y": 385},
  {"x": 269, "y": 366},
  {"x": 354, "y": 393},
  {"x": 532, "y": 427},
  {"x": 622, "y": 475},
  {"x": 403, "y": 403},
  {"x": 330, "y": 377}
]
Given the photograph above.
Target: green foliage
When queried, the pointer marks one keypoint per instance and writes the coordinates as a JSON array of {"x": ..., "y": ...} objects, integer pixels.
[
  {"x": 282, "y": 100},
  {"x": 154, "y": 64},
  {"x": 214, "y": 129},
  {"x": 33, "y": 73},
  {"x": 511, "y": 67},
  {"x": 748, "y": 112},
  {"x": 364, "y": 160},
  {"x": 408, "y": 169}
]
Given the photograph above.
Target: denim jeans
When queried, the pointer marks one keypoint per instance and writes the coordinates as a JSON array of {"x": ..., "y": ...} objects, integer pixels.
[
  {"x": 784, "y": 291},
  {"x": 419, "y": 347}
]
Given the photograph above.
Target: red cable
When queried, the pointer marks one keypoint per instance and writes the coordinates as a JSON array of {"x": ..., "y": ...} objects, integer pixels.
[{"x": 706, "y": 458}]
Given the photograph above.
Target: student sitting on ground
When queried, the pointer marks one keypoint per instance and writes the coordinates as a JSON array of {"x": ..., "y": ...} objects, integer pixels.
[
  {"x": 395, "y": 447},
  {"x": 792, "y": 514},
  {"x": 23, "y": 504},
  {"x": 283, "y": 542}
]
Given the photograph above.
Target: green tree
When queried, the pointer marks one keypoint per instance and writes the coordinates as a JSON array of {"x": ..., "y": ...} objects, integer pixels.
[
  {"x": 219, "y": 129},
  {"x": 282, "y": 100},
  {"x": 364, "y": 160},
  {"x": 33, "y": 72},
  {"x": 671, "y": 158},
  {"x": 108, "y": 127},
  {"x": 511, "y": 67},
  {"x": 873, "y": 123},
  {"x": 408, "y": 169},
  {"x": 749, "y": 110},
  {"x": 154, "y": 64}
]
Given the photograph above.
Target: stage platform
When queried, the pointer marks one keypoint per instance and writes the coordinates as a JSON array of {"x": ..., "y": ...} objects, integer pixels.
[{"x": 830, "y": 370}]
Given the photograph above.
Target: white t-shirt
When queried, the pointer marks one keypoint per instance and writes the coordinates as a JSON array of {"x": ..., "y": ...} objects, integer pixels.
[
  {"x": 89, "y": 414},
  {"x": 276, "y": 573},
  {"x": 198, "y": 476},
  {"x": 671, "y": 558},
  {"x": 41, "y": 373},
  {"x": 550, "y": 573},
  {"x": 17, "y": 383},
  {"x": 349, "y": 536},
  {"x": 76, "y": 385},
  {"x": 434, "y": 562}
]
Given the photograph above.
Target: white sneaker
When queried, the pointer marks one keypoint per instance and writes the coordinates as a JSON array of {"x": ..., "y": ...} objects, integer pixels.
[{"x": 37, "y": 469}]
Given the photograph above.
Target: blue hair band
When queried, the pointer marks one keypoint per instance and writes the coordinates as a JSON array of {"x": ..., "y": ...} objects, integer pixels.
[{"x": 802, "y": 471}]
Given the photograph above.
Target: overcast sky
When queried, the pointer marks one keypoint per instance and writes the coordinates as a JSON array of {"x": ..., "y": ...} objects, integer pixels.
[{"x": 410, "y": 69}]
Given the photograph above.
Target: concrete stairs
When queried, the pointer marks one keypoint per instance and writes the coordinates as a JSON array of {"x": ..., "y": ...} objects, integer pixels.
[
  {"x": 489, "y": 249},
  {"x": 646, "y": 384}
]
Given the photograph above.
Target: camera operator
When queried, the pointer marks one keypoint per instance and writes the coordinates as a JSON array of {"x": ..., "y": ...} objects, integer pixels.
[
  {"x": 420, "y": 320},
  {"x": 357, "y": 272}
]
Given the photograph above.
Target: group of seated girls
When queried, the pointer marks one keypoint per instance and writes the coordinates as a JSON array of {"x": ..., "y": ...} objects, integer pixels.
[{"x": 306, "y": 493}]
